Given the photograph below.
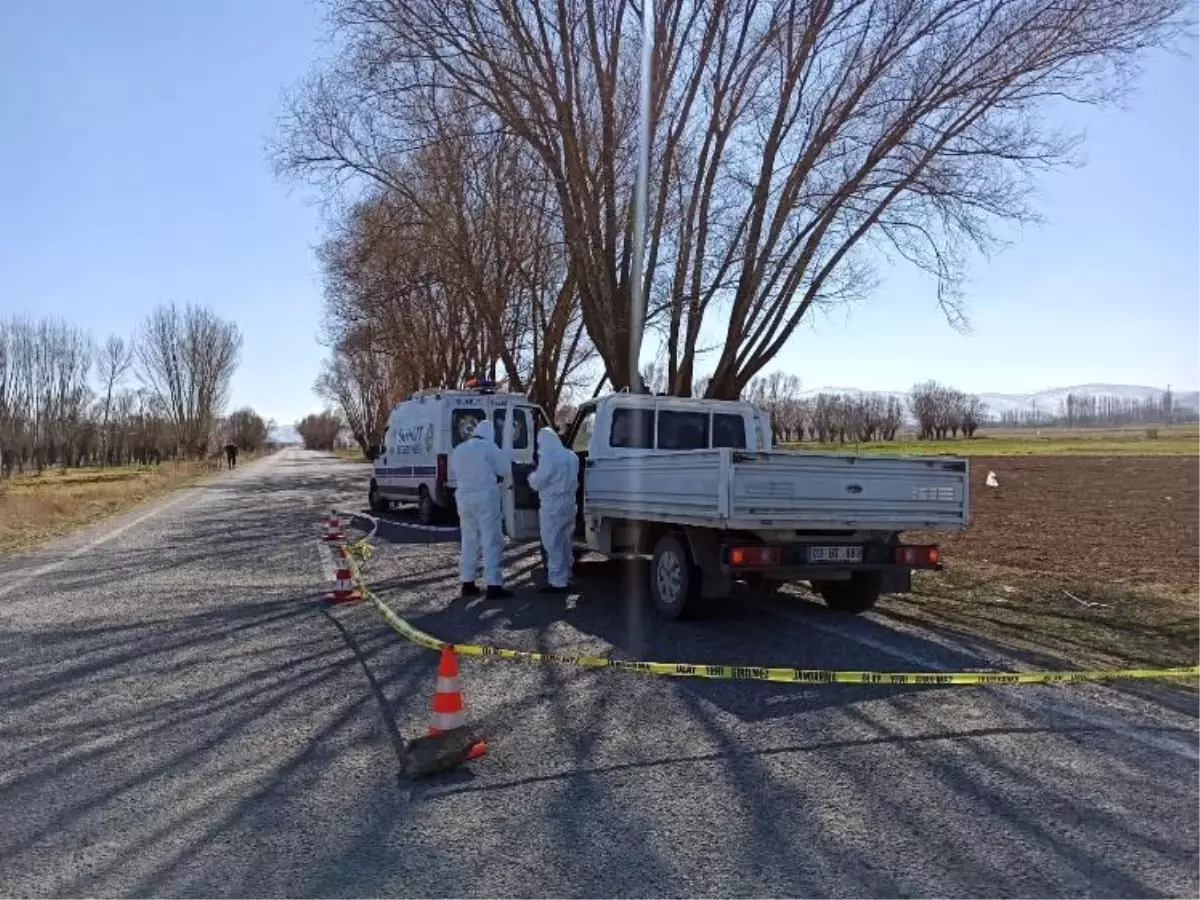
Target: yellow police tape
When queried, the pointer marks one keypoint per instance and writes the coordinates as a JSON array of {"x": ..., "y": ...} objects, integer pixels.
[{"x": 362, "y": 550}]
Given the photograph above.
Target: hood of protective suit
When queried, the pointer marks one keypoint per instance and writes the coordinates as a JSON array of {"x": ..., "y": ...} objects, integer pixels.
[
  {"x": 485, "y": 430},
  {"x": 556, "y": 473},
  {"x": 548, "y": 441}
]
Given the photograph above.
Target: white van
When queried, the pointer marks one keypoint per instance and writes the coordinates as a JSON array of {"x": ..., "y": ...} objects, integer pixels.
[{"x": 413, "y": 463}]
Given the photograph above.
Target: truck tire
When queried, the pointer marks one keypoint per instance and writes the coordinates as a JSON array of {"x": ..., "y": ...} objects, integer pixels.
[
  {"x": 376, "y": 500},
  {"x": 855, "y": 596},
  {"x": 427, "y": 511},
  {"x": 674, "y": 579}
]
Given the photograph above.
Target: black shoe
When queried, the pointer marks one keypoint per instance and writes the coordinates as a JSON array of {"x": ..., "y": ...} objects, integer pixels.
[
  {"x": 469, "y": 589},
  {"x": 553, "y": 589},
  {"x": 496, "y": 592}
]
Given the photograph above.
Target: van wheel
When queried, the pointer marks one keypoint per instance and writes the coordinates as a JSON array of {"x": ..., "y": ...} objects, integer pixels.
[
  {"x": 855, "y": 596},
  {"x": 427, "y": 510},
  {"x": 376, "y": 500},
  {"x": 674, "y": 580}
]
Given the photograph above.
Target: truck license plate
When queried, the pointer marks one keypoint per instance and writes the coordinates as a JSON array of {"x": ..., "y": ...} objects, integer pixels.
[{"x": 838, "y": 553}]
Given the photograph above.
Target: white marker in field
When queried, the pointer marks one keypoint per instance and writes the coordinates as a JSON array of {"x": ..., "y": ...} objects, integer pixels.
[{"x": 991, "y": 481}]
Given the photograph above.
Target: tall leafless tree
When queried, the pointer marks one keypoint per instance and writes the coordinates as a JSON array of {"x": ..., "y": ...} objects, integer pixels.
[
  {"x": 793, "y": 141},
  {"x": 112, "y": 365},
  {"x": 187, "y": 358}
]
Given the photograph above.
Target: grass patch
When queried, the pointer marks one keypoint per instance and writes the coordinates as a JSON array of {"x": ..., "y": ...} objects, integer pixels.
[
  {"x": 1085, "y": 625},
  {"x": 354, "y": 454},
  {"x": 1177, "y": 441},
  {"x": 36, "y": 508}
]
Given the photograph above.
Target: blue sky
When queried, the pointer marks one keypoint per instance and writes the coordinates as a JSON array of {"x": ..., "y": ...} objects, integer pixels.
[{"x": 133, "y": 171}]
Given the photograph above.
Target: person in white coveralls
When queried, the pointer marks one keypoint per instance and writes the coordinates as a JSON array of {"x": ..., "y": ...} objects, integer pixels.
[
  {"x": 478, "y": 464},
  {"x": 555, "y": 479}
]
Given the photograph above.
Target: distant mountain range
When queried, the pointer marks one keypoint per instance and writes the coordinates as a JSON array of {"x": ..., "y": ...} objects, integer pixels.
[{"x": 1049, "y": 400}]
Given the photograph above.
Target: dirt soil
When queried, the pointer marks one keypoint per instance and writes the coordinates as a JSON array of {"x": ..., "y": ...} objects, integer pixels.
[
  {"x": 1117, "y": 520},
  {"x": 1081, "y": 561}
]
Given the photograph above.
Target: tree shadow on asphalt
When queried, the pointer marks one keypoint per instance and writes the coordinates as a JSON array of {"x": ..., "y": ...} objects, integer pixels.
[
  {"x": 222, "y": 692},
  {"x": 738, "y": 634},
  {"x": 203, "y": 745}
]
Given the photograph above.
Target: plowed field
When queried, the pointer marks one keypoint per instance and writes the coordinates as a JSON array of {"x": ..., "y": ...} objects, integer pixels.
[{"x": 1114, "y": 519}]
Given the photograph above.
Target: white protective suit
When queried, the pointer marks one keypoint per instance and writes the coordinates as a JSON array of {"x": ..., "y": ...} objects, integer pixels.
[
  {"x": 477, "y": 462},
  {"x": 556, "y": 479}
]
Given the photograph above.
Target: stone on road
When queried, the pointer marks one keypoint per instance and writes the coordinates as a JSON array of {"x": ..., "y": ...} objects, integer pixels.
[{"x": 180, "y": 715}]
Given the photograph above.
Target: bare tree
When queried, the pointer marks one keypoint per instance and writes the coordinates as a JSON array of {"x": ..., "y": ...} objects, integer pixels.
[
  {"x": 112, "y": 365},
  {"x": 791, "y": 140},
  {"x": 187, "y": 359},
  {"x": 246, "y": 429},
  {"x": 320, "y": 431},
  {"x": 359, "y": 383}
]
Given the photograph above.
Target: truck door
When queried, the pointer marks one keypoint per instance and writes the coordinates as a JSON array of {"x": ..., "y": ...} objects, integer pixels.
[{"x": 520, "y": 500}]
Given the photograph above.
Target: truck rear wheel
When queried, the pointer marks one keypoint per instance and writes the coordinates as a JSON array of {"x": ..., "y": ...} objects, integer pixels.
[
  {"x": 855, "y": 596},
  {"x": 674, "y": 580}
]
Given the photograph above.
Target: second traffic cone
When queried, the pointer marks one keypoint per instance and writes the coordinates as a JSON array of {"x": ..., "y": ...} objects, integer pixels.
[
  {"x": 447, "y": 702},
  {"x": 344, "y": 590},
  {"x": 333, "y": 528}
]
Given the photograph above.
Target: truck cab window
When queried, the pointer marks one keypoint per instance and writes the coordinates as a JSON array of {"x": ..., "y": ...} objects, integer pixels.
[
  {"x": 729, "y": 431},
  {"x": 682, "y": 430},
  {"x": 632, "y": 429}
]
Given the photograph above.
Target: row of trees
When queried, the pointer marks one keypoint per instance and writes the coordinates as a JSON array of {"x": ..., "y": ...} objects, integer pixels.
[
  {"x": 941, "y": 412},
  {"x": 321, "y": 431},
  {"x": 64, "y": 400},
  {"x": 1100, "y": 411},
  {"x": 487, "y": 149},
  {"x": 863, "y": 417},
  {"x": 840, "y": 417}
]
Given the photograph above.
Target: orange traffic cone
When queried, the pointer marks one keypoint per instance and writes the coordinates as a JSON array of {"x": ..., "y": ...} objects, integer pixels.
[
  {"x": 333, "y": 528},
  {"x": 447, "y": 703},
  {"x": 344, "y": 590}
]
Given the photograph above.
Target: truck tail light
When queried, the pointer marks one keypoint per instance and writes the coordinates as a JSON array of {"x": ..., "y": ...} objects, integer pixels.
[
  {"x": 917, "y": 556},
  {"x": 441, "y": 468},
  {"x": 753, "y": 556}
]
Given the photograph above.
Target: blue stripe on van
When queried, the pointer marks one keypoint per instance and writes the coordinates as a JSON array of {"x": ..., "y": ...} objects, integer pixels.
[{"x": 406, "y": 471}]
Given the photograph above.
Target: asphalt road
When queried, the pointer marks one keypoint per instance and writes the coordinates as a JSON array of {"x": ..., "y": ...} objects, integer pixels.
[{"x": 181, "y": 716}]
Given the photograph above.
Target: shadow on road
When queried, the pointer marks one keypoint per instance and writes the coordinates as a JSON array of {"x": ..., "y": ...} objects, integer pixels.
[{"x": 176, "y": 719}]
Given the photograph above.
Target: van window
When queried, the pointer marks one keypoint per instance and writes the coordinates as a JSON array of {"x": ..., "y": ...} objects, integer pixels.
[
  {"x": 632, "y": 429},
  {"x": 520, "y": 424},
  {"x": 462, "y": 424},
  {"x": 729, "y": 431},
  {"x": 682, "y": 430}
]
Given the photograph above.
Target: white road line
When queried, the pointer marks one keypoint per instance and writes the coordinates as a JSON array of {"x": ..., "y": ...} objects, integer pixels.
[
  {"x": 91, "y": 545},
  {"x": 326, "y": 556},
  {"x": 1039, "y": 704}
]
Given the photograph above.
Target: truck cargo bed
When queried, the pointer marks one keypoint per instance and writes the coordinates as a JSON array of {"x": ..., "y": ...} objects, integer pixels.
[{"x": 733, "y": 489}]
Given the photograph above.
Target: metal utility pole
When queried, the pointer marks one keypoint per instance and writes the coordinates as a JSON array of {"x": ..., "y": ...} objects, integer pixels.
[
  {"x": 635, "y": 640},
  {"x": 637, "y": 291}
]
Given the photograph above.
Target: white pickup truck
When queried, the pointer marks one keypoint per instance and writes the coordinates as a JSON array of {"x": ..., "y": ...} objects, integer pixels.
[{"x": 695, "y": 485}]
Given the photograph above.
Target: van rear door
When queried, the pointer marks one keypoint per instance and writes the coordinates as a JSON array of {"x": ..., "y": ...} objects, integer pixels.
[{"x": 520, "y": 500}]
